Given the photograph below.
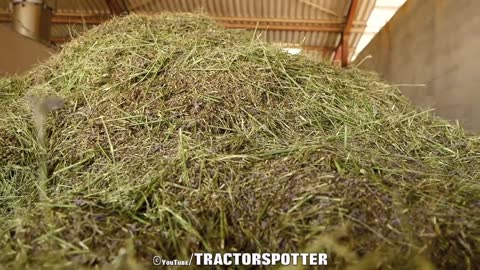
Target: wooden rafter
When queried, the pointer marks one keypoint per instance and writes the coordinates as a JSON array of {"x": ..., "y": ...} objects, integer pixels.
[
  {"x": 343, "y": 47},
  {"x": 307, "y": 47},
  {"x": 282, "y": 27},
  {"x": 229, "y": 22},
  {"x": 331, "y": 22}
]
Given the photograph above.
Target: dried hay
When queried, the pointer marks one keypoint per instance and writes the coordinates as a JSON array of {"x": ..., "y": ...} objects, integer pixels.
[{"x": 179, "y": 136}]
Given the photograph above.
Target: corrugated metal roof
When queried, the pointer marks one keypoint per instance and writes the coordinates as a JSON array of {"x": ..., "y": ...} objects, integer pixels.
[
  {"x": 296, "y": 9},
  {"x": 94, "y": 7},
  {"x": 322, "y": 12}
]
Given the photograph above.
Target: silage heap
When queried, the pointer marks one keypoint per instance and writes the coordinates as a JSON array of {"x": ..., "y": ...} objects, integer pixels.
[{"x": 178, "y": 136}]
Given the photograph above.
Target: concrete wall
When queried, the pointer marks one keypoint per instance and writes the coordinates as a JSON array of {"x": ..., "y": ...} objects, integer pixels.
[
  {"x": 437, "y": 43},
  {"x": 19, "y": 53}
]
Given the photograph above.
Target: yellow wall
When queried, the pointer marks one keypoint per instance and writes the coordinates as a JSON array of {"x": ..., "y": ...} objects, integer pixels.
[
  {"x": 436, "y": 43},
  {"x": 19, "y": 53}
]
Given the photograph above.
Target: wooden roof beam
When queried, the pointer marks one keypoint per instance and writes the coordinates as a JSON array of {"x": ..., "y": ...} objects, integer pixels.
[
  {"x": 282, "y": 27},
  {"x": 247, "y": 24},
  {"x": 228, "y": 22},
  {"x": 311, "y": 22},
  {"x": 343, "y": 47},
  {"x": 306, "y": 47}
]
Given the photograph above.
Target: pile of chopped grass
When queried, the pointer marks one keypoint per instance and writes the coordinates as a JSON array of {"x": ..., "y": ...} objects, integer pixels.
[{"x": 178, "y": 136}]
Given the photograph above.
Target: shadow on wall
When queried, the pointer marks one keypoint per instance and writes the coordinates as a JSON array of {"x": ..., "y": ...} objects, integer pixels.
[
  {"x": 430, "y": 50},
  {"x": 18, "y": 53}
]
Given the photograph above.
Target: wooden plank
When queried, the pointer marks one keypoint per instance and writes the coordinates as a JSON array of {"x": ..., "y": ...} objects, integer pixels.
[
  {"x": 347, "y": 30},
  {"x": 282, "y": 27},
  {"x": 229, "y": 22}
]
